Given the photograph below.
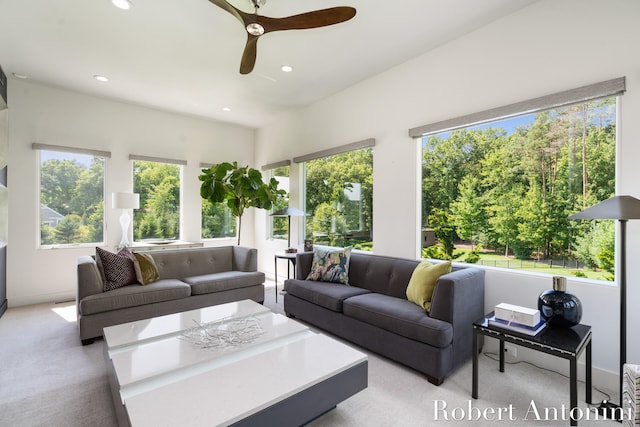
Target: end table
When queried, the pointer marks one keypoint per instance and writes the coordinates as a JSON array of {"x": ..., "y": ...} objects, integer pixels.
[
  {"x": 567, "y": 343},
  {"x": 291, "y": 258}
]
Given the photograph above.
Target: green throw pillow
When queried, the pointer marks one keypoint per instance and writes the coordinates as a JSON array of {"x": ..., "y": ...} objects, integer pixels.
[
  {"x": 146, "y": 269},
  {"x": 330, "y": 265},
  {"x": 423, "y": 282}
]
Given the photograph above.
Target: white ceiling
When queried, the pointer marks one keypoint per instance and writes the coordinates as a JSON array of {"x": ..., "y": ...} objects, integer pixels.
[{"x": 184, "y": 55}]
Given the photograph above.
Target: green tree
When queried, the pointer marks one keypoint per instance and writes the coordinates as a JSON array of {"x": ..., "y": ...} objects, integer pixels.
[
  {"x": 159, "y": 187},
  {"x": 340, "y": 185},
  {"x": 217, "y": 220},
  {"x": 280, "y": 224},
  {"x": 68, "y": 230},
  {"x": 469, "y": 215},
  {"x": 445, "y": 163},
  {"x": 443, "y": 227},
  {"x": 596, "y": 247},
  {"x": 58, "y": 179}
]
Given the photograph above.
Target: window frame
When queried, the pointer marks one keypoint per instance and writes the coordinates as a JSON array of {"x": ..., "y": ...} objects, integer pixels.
[
  {"x": 105, "y": 156},
  {"x": 602, "y": 90},
  {"x": 304, "y": 159},
  {"x": 270, "y": 168},
  {"x": 178, "y": 163}
]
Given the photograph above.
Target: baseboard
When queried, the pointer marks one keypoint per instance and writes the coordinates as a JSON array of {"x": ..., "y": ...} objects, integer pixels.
[{"x": 41, "y": 299}]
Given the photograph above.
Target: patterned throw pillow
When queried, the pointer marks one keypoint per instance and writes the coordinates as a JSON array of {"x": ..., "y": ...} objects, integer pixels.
[
  {"x": 117, "y": 269},
  {"x": 146, "y": 268},
  {"x": 330, "y": 265}
]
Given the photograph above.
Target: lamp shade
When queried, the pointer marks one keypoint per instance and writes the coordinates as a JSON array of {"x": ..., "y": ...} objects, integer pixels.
[
  {"x": 617, "y": 207},
  {"x": 289, "y": 211},
  {"x": 125, "y": 200}
]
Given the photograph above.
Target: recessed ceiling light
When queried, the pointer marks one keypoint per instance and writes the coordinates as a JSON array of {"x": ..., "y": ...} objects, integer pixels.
[
  {"x": 20, "y": 76},
  {"x": 101, "y": 78},
  {"x": 286, "y": 68},
  {"x": 121, "y": 4},
  {"x": 227, "y": 109}
]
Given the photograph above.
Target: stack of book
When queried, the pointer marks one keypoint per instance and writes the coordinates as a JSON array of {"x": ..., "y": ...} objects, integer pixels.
[
  {"x": 631, "y": 395},
  {"x": 517, "y": 319}
]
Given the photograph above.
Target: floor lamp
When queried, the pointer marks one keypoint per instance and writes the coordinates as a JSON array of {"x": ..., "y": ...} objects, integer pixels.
[
  {"x": 622, "y": 208},
  {"x": 125, "y": 201},
  {"x": 289, "y": 212}
]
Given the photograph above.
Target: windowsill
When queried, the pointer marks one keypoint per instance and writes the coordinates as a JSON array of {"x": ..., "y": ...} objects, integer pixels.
[{"x": 529, "y": 273}]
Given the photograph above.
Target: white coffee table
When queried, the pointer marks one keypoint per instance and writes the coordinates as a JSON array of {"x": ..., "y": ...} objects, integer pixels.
[{"x": 287, "y": 375}]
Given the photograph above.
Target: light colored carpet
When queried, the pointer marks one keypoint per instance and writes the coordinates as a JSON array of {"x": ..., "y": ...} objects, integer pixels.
[{"x": 47, "y": 378}]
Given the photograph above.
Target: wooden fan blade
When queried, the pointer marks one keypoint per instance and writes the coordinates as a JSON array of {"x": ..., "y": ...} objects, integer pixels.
[
  {"x": 303, "y": 21},
  {"x": 249, "y": 54},
  {"x": 244, "y": 17}
]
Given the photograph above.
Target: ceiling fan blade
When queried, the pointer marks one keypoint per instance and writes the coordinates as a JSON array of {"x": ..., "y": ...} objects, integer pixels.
[
  {"x": 249, "y": 54},
  {"x": 244, "y": 17},
  {"x": 314, "y": 19}
]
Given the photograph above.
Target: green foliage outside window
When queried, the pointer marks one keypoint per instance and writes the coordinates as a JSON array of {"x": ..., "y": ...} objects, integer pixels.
[
  {"x": 159, "y": 187},
  {"x": 71, "y": 198},
  {"x": 339, "y": 199},
  {"x": 279, "y": 224},
  {"x": 511, "y": 190},
  {"x": 217, "y": 221}
]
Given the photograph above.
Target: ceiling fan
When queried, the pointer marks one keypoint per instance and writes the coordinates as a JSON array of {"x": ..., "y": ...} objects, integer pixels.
[{"x": 257, "y": 25}]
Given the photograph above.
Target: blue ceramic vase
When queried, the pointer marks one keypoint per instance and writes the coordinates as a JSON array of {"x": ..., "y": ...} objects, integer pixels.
[{"x": 559, "y": 307}]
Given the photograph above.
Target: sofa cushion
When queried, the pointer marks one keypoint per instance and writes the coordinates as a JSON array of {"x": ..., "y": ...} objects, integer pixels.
[
  {"x": 399, "y": 316},
  {"x": 325, "y": 294},
  {"x": 134, "y": 295},
  {"x": 181, "y": 263},
  {"x": 381, "y": 274},
  {"x": 330, "y": 264},
  {"x": 217, "y": 282},
  {"x": 117, "y": 269},
  {"x": 423, "y": 282},
  {"x": 146, "y": 269}
]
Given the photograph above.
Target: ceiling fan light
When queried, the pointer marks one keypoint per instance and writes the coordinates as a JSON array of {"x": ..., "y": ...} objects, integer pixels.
[
  {"x": 255, "y": 29},
  {"x": 121, "y": 4},
  {"x": 258, "y": 3}
]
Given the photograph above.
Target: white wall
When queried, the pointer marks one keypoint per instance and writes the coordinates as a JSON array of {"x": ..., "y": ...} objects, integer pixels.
[
  {"x": 53, "y": 116},
  {"x": 548, "y": 47}
]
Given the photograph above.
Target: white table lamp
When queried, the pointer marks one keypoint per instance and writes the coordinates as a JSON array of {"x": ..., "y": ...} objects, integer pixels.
[{"x": 125, "y": 201}]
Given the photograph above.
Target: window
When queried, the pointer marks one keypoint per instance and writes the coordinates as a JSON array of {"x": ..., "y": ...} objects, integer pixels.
[
  {"x": 339, "y": 198},
  {"x": 71, "y": 187},
  {"x": 217, "y": 221},
  {"x": 158, "y": 184},
  {"x": 278, "y": 225},
  {"x": 500, "y": 193}
]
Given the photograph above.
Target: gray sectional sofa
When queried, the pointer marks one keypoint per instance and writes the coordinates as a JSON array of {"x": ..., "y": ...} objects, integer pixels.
[
  {"x": 189, "y": 279},
  {"x": 373, "y": 312}
]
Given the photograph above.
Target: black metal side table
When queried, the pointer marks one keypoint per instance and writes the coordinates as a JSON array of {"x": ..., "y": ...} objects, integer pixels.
[
  {"x": 291, "y": 258},
  {"x": 567, "y": 343}
]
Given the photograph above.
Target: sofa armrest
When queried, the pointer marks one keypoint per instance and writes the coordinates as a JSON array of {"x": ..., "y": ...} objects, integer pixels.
[
  {"x": 303, "y": 264},
  {"x": 89, "y": 278},
  {"x": 459, "y": 299},
  {"x": 245, "y": 259}
]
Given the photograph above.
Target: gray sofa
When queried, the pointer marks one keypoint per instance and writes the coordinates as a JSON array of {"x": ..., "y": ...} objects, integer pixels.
[
  {"x": 189, "y": 279},
  {"x": 373, "y": 311}
]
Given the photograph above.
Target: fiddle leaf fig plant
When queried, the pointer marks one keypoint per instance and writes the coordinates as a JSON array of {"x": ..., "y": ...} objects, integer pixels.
[{"x": 241, "y": 187}]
